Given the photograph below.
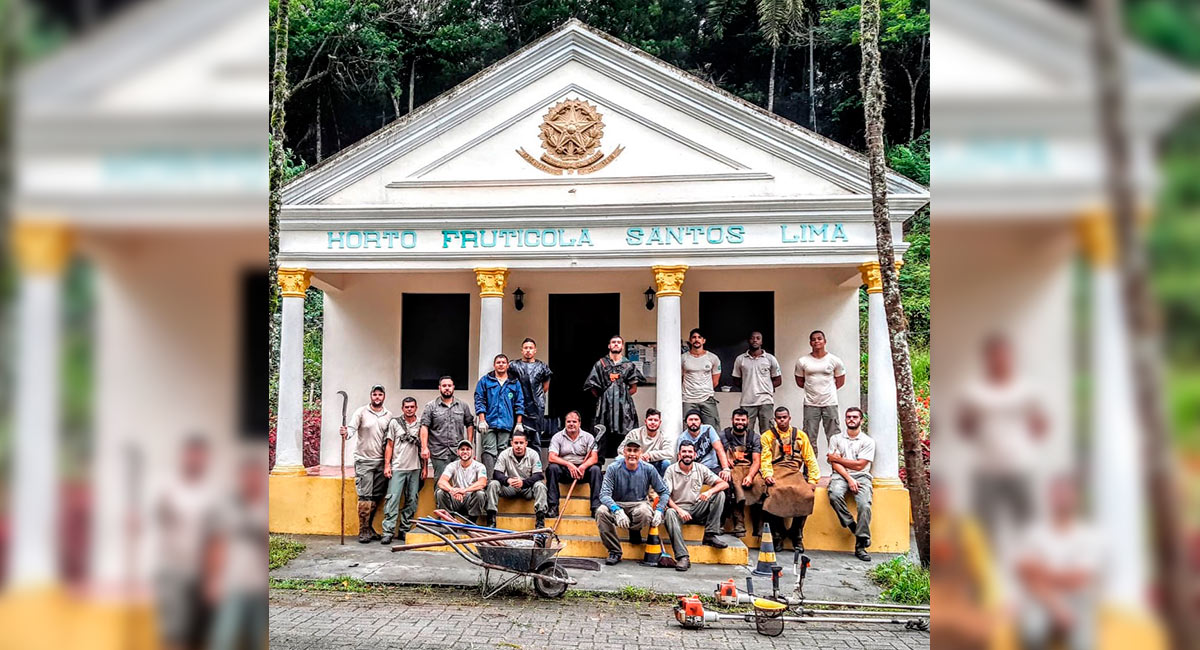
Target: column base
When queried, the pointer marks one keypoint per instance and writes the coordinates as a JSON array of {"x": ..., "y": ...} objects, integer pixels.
[{"x": 289, "y": 470}]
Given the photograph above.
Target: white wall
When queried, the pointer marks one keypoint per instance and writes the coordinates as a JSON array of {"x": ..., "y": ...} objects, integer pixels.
[{"x": 362, "y": 326}]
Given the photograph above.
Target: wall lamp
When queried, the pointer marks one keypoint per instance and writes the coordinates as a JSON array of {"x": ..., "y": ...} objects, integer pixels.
[
  {"x": 649, "y": 298},
  {"x": 519, "y": 299}
]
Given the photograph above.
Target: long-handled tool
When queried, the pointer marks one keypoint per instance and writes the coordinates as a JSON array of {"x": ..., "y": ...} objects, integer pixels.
[
  {"x": 600, "y": 431},
  {"x": 342, "y": 465}
]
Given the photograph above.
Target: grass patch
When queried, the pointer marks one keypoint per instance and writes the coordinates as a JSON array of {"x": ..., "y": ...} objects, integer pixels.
[
  {"x": 634, "y": 594},
  {"x": 902, "y": 581},
  {"x": 339, "y": 583},
  {"x": 282, "y": 550}
]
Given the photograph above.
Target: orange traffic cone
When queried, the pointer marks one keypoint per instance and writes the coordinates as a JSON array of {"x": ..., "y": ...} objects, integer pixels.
[{"x": 766, "y": 552}]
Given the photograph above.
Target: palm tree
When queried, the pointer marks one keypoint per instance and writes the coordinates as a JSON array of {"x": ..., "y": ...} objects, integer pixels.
[{"x": 778, "y": 19}]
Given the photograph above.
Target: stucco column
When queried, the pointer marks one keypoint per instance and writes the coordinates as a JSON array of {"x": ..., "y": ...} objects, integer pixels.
[
  {"x": 669, "y": 376},
  {"x": 289, "y": 433},
  {"x": 491, "y": 315},
  {"x": 881, "y": 382},
  {"x": 41, "y": 251},
  {"x": 1119, "y": 496}
]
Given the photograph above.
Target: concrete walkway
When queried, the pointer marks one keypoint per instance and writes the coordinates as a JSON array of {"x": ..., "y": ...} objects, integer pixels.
[{"x": 831, "y": 576}]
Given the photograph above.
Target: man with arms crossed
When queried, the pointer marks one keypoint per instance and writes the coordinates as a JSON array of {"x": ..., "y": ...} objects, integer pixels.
[
  {"x": 820, "y": 374},
  {"x": 534, "y": 376},
  {"x": 460, "y": 487},
  {"x": 757, "y": 374},
  {"x": 445, "y": 422},
  {"x": 518, "y": 473},
  {"x": 687, "y": 503},
  {"x": 624, "y": 500},
  {"x": 850, "y": 456},
  {"x": 701, "y": 374},
  {"x": 656, "y": 447},
  {"x": 370, "y": 424},
  {"x": 573, "y": 457}
]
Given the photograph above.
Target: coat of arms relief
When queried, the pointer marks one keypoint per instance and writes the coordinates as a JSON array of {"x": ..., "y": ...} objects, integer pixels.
[{"x": 570, "y": 135}]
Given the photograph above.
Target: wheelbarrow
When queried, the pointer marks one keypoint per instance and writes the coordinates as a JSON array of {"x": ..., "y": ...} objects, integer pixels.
[{"x": 525, "y": 554}]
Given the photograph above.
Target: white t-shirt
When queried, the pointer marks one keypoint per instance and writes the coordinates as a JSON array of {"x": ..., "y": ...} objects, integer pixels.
[
  {"x": 819, "y": 387},
  {"x": 860, "y": 447},
  {"x": 464, "y": 477},
  {"x": 697, "y": 375},
  {"x": 1005, "y": 442},
  {"x": 756, "y": 374}
]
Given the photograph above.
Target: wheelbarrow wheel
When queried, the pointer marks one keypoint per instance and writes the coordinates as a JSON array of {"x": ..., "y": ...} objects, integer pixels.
[{"x": 550, "y": 588}]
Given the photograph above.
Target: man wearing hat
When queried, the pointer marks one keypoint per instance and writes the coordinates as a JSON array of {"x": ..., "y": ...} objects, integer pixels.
[
  {"x": 370, "y": 424},
  {"x": 461, "y": 486},
  {"x": 624, "y": 499}
]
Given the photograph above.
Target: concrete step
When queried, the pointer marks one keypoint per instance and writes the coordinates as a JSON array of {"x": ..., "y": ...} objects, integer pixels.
[
  {"x": 580, "y": 546},
  {"x": 574, "y": 507},
  {"x": 583, "y": 526}
]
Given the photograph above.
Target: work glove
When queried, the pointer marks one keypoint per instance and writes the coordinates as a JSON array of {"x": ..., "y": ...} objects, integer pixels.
[
  {"x": 519, "y": 428},
  {"x": 482, "y": 427},
  {"x": 656, "y": 520},
  {"x": 621, "y": 519}
]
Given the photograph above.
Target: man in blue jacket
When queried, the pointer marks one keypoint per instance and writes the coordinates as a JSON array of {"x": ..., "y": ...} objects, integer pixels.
[{"x": 499, "y": 405}]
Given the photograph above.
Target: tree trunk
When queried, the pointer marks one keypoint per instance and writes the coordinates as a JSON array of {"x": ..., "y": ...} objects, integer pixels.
[
  {"x": 412, "y": 82},
  {"x": 771, "y": 83},
  {"x": 871, "y": 80},
  {"x": 279, "y": 92},
  {"x": 812, "y": 88},
  {"x": 1160, "y": 474},
  {"x": 396, "y": 106},
  {"x": 320, "y": 154}
]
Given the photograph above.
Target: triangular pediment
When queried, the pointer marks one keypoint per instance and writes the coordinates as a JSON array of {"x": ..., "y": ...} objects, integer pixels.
[{"x": 665, "y": 136}]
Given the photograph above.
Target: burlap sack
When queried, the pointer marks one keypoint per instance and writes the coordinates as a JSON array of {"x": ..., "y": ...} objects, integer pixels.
[{"x": 791, "y": 496}]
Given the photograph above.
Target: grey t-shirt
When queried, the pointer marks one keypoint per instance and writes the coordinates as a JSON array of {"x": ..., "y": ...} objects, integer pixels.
[
  {"x": 464, "y": 477},
  {"x": 523, "y": 467},
  {"x": 447, "y": 426},
  {"x": 697, "y": 376},
  {"x": 686, "y": 487},
  {"x": 572, "y": 451},
  {"x": 756, "y": 374},
  {"x": 406, "y": 444},
  {"x": 860, "y": 447},
  {"x": 371, "y": 429}
]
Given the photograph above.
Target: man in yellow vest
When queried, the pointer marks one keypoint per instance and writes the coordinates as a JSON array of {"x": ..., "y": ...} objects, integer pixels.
[{"x": 790, "y": 472}]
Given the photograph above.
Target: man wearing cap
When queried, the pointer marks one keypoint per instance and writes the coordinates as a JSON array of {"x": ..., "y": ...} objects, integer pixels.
[
  {"x": 499, "y": 405},
  {"x": 689, "y": 503},
  {"x": 370, "y": 424},
  {"x": 624, "y": 499},
  {"x": 518, "y": 473},
  {"x": 444, "y": 423},
  {"x": 709, "y": 450},
  {"x": 461, "y": 485}
]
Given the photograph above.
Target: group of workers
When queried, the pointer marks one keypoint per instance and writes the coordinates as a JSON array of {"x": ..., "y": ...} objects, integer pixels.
[{"x": 655, "y": 478}]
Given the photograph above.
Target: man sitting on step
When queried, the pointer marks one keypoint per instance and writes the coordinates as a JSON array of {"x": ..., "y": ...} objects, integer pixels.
[
  {"x": 518, "y": 473},
  {"x": 850, "y": 456},
  {"x": 624, "y": 499},
  {"x": 461, "y": 485},
  {"x": 573, "y": 457},
  {"x": 688, "y": 503}
]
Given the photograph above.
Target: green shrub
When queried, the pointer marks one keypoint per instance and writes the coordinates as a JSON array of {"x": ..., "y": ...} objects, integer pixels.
[{"x": 902, "y": 581}]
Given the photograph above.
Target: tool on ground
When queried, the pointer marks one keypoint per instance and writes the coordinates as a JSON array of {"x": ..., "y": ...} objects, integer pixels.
[
  {"x": 800, "y": 564},
  {"x": 342, "y": 464},
  {"x": 600, "y": 431}
]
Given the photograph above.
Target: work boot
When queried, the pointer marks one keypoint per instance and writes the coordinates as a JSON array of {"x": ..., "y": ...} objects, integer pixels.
[
  {"x": 739, "y": 521},
  {"x": 860, "y": 549},
  {"x": 387, "y": 539},
  {"x": 683, "y": 563},
  {"x": 613, "y": 558},
  {"x": 490, "y": 521},
  {"x": 552, "y": 511},
  {"x": 635, "y": 536},
  {"x": 364, "y": 522},
  {"x": 714, "y": 540},
  {"x": 400, "y": 539},
  {"x": 371, "y": 519},
  {"x": 539, "y": 520}
]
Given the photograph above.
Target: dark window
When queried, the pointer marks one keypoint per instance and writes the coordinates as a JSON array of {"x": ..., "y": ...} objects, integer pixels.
[
  {"x": 254, "y": 357},
  {"x": 575, "y": 345},
  {"x": 728, "y": 317},
  {"x": 434, "y": 339}
]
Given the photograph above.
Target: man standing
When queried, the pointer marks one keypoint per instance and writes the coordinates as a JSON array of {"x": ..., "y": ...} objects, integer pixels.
[
  {"x": 499, "y": 404},
  {"x": 744, "y": 447},
  {"x": 460, "y": 487},
  {"x": 701, "y": 374},
  {"x": 757, "y": 374},
  {"x": 709, "y": 450},
  {"x": 370, "y": 424},
  {"x": 686, "y": 479},
  {"x": 850, "y": 456},
  {"x": 518, "y": 473},
  {"x": 534, "y": 377},
  {"x": 656, "y": 448},
  {"x": 790, "y": 471},
  {"x": 445, "y": 422},
  {"x": 403, "y": 466},
  {"x": 573, "y": 457},
  {"x": 624, "y": 500},
  {"x": 820, "y": 374},
  {"x": 613, "y": 381}
]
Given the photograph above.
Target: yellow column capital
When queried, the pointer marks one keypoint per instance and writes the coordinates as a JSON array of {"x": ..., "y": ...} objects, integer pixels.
[
  {"x": 491, "y": 282},
  {"x": 1098, "y": 237},
  {"x": 294, "y": 281},
  {"x": 42, "y": 247},
  {"x": 872, "y": 277},
  {"x": 669, "y": 279}
]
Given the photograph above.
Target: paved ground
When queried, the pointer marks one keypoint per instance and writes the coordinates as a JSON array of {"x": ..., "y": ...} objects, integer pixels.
[
  {"x": 442, "y": 619},
  {"x": 831, "y": 576}
]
